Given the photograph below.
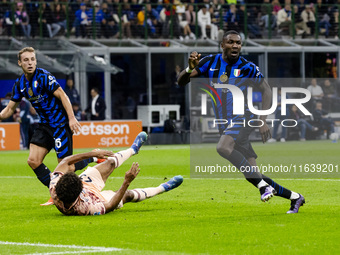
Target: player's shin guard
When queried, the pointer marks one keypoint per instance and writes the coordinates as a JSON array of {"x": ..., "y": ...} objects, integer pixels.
[
  {"x": 281, "y": 191},
  {"x": 43, "y": 174},
  {"x": 142, "y": 194},
  {"x": 241, "y": 163},
  {"x": 82, "y": 164},
  {"x": 121, "y": 156}
]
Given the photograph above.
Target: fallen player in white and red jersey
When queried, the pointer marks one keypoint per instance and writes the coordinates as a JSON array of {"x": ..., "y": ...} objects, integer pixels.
[{"x": 83, "y": 195}]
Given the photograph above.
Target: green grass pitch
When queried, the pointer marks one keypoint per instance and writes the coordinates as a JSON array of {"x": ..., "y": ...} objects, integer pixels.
[{"x": 202, "y": 216}]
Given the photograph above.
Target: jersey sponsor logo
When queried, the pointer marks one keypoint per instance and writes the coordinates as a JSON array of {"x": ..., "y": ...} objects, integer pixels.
[{"x": 36, "y": 99}]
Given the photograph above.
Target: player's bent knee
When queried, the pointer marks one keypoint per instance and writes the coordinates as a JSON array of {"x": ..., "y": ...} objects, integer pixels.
[
  {"x": 111, "y": 161},
  {"x": 33, "y": 163},
  {"x": 223, "y": 150}
]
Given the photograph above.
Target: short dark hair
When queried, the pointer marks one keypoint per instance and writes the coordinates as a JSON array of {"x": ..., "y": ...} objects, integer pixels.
[
  {"x": 231, "y": 32},
  {"x": 69, "y": 187},
  {"x": 96, "y": 89}
]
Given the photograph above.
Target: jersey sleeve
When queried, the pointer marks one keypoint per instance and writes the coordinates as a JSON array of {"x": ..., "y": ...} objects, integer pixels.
[
  {"x": 257, "y": 76},
  {"x": 16, "y": 94},
  {"x": 51, "y": 83},
  {"x": 203, "y": 65}
]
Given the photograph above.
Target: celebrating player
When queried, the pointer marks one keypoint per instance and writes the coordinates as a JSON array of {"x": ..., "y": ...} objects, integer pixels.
[
  {"x": 83, "y": 195},
  {"x": 234, "y": 145},
  {"x": 57, "y": 123}
]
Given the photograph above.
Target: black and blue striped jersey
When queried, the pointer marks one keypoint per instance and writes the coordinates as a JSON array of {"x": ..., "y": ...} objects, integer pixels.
[
  {"x": 39, "y": 91},
  {"x": 242, "y": 74}
]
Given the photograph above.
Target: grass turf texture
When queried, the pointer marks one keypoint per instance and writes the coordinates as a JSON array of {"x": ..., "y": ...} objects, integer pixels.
[{"x": 203, "y": 216}]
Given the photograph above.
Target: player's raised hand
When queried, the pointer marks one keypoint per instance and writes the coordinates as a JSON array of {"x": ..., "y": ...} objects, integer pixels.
[
  {"x": 265, "y": 132},
  {"x": 194, "y": 59},
  {"x": 133, "y": 172},
  {"x": 74, "y": 125}
]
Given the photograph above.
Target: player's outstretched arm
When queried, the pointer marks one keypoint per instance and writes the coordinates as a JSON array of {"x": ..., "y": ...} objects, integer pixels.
[
  {"x": 73, "y": 122},
  {"x": 9, "y": 110},
  {"x": 65, "y": 165},
  {"x": 189, "y": 72},
  {"x": 266, "y": 102},
  {"x": 129, "y": 177}
]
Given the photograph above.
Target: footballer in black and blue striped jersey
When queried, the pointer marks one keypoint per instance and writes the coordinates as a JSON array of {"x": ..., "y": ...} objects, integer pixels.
[
  {"x": 39, "y": 91},
  {"x": 242, "y": 74},
  {"x": 234, "y": 145},
  {"x": 57, "y": 120}
]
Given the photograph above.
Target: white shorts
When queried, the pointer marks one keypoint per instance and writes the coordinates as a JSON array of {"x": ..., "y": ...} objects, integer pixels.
[{"x": 93, "y": 181}]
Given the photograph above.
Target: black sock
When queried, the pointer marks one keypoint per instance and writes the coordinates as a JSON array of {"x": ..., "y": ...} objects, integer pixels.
[
  {"x": 281, "y": 191},
  {"x": 82, "y": 164},
  {"x": 43, "y": 174},
  {"x": 238, "y": 160}
]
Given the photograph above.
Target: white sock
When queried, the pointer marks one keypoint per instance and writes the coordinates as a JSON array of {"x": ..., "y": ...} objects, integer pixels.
[
  {"x": 142, "y": 194},
  {"x": 294, "y": 195},
  {"x": 261, "y": 184},
  {"x": 121, "y": 156}
]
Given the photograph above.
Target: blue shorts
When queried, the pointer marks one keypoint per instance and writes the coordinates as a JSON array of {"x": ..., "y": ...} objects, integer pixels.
[{"x": 59, "y": 138}]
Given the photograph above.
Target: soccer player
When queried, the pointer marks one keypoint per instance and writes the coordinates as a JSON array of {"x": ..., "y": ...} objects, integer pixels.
[
  {"x": 83, "y": 195},
  {"x": 57, "y": 123},
  {"x": 234, "y": 145}
]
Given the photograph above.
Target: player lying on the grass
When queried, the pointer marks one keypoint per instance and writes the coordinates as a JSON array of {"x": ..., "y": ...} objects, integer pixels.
[{"x": 83, "y": 195}]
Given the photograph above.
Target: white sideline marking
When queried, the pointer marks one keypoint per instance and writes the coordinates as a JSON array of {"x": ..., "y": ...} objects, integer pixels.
[{"x": 84, "y": 249}]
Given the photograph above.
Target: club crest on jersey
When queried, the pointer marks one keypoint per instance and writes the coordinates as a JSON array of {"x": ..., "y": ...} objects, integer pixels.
[
  {"x": 30, "y": 92},
  {"x": 223, "y": 77},
  {"x": 237, "y": 72}
]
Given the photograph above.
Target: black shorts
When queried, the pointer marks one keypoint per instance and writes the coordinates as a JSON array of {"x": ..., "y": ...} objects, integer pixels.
[
  {"x": 59, "y": 138},
  {"x": 241, "y": 138}
]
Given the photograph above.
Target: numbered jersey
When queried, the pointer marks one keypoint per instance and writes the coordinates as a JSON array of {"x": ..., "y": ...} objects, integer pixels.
[
  {"x": 89, "y": 202},
  {"x": 39, "y": 91}
]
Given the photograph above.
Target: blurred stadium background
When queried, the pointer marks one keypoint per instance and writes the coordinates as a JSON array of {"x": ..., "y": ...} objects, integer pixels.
[{"x": 134, "y": 60}]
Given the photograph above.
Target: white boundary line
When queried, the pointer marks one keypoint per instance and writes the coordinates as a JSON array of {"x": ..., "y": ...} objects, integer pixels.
[
  {"x": 158, "y": 178},
  {"x": 84, "y": 249}
]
